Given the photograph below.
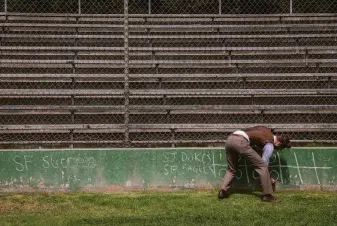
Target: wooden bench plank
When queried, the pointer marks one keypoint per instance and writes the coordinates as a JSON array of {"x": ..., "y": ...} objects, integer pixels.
[
  {"x": 271, "y": 76},
  {"x": 186, "y": 18},
  {"x": 167, "y": 48},
  {"x": 289, "y": 127},
  {"x": 141, "y": 92},
  {"x": 164, "y": 109},
  {"x": 312, "y": 67},
  {"x": 58, "y": 36},
  {"x": 176, "y": 92},
  {"x": 62, "y": 127},
  {"x": 181, "y": 27},
  {"x": 60, "y": 92},
  {"x": 169, "y": 15},
  {"x": 61, "y": 25},
  {"x": 171, "y": 62},
  {"x": 163, "y": 37},
  {"x": 172, "y": 82}
]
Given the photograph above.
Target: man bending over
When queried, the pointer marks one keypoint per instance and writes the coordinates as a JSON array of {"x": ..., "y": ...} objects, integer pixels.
[{"x": 240, "y": 143}]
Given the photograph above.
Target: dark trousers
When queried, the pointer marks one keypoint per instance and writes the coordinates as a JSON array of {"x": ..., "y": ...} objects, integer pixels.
[{"x": 236, "y": 146}]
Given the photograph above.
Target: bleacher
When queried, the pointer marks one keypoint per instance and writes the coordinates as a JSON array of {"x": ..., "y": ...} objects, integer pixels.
[{"x": 193, "y": 79}]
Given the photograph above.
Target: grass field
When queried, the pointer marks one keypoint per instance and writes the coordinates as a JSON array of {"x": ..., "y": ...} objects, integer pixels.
[{"x": 167, "y": 208}]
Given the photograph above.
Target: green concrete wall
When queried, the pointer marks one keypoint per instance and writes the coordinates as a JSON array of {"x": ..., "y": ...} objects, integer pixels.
[{"x": 157, "y": 169}]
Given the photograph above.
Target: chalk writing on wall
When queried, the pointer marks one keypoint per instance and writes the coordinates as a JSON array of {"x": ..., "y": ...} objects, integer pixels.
[
  {"x": 200, "y": 163},
  {"x": 24, "y": 163},
  {"x": 190, "y": 168},
  {"x": 214, "y": 163}
]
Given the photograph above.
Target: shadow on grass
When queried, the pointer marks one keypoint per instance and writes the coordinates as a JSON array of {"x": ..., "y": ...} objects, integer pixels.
[{"x": 247, "y": 192}]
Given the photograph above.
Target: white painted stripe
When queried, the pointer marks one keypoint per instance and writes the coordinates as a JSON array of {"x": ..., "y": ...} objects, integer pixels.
[
  {"x": 313, "y": 160},
  {"x": 298, "y": 169},
  {"x": 280, "y": 167},
  {"x": 246, "y": 171}
]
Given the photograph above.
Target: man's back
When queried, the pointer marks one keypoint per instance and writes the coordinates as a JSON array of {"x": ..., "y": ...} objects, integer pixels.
[{"x": 259, "y": 135}]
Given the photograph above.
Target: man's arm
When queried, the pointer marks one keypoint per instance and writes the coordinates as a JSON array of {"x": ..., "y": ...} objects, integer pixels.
[{"x": 267, "y": 152}]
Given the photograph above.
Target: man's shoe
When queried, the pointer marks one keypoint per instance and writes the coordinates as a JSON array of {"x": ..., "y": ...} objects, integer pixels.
[
  {"x": 223, "y": 194},
  {"x": 269, "y": 198}
]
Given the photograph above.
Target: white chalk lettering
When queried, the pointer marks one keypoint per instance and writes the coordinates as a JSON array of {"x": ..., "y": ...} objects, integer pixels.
[
  {"x": 196, "y": 157},
  {"x": 26, "y": 157},
  {"x": 64, "y": 166},
  {"x": 275, "y": 174},
  {"x": 70, "y": 162},
  {"x": 174, "y": 169},
  {"x": 45, "y": 162},
  {"x": 22, "y": 162},
  {"x": 214, "y": 163},
  {"x": 170, "y": 157},
  {"x": 255, "y": 175},
  {"x": 183, "y": 169},
  {"x": 166, "y": 158},
  {"x": 81, "y": 163},
  {"x": 238, "y": 174},
  {"x": 92, "y": 162},
  {"x": 197, "y": 163},
  {"x": 185, "y": 157},
  {"x": 203, "y": 159},
  {"x": 16, "y": 160},
  {"x": 52, "y": 163},
  {"x": 166, "y": 170}
]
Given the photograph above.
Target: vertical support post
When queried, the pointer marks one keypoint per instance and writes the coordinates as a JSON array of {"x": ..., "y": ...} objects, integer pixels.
[
  {"x": 220, "y": 7},
  {"x": 5, "y": 6},
  {"x": 291, "y": 6},
  {"x": 173, "y": 137},
  {"x": 150, "y": 7},
  {"x": 73, "y": 87},
  {"x": 126, "y": 75},
  {"x": 72, "y": 113},
  {"x": 329, "y": 82},
  {"x": 79, "y": 7}
]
